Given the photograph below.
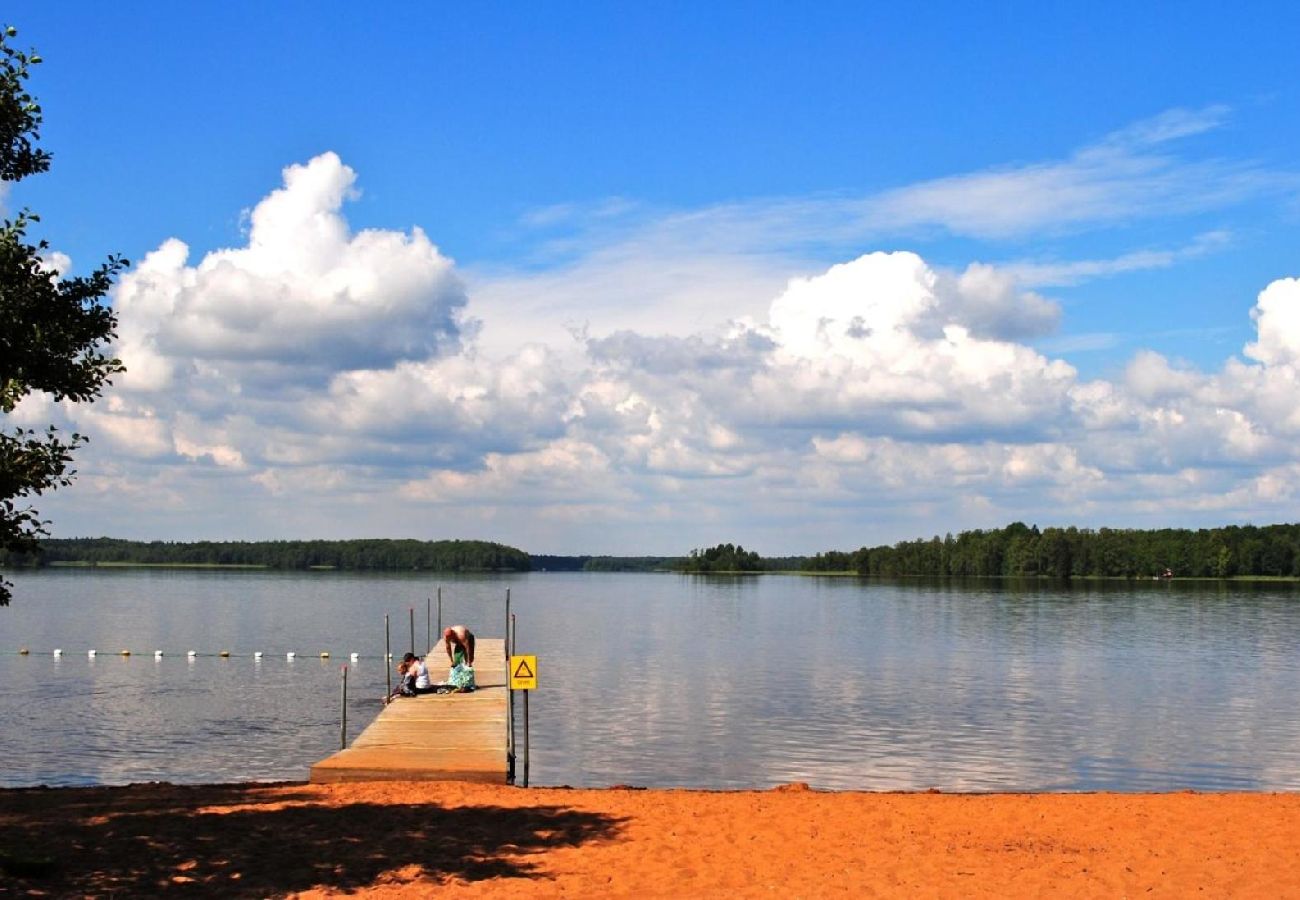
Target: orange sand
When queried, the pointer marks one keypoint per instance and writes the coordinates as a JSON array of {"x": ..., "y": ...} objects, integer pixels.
[{"x": 461, "y": 840}]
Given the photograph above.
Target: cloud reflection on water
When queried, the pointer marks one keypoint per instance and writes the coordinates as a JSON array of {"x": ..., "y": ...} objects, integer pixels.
[{"x": 667, "y": 680}]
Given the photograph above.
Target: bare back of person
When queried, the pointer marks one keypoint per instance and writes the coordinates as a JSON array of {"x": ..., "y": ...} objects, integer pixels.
[{"x": 458, "y": 637}]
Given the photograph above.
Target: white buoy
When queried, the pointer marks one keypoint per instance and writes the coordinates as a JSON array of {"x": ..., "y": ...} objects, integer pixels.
[
  {"x": 354, "y": 657},
  {"x": 157, "y": 654},
  {"x": 257, "y": 654},
  {"x": 191, "y": 655},
  {"x": 58, "y": 653},
  {"x": 90, "y": 653},
  {"x": 290, "y": 655}
]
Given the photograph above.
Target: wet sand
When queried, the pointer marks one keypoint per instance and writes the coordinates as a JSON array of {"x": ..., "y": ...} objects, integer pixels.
[{"x": 461, "y": 840}]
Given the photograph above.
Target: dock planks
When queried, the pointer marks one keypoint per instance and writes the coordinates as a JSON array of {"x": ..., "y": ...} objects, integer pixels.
[{"x": 433, "y": 737}]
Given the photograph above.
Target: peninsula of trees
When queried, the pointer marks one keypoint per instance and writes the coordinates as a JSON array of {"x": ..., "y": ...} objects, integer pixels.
[
  {"x": 393, "y": 555},
  {"x": 722, "y": 558},
  {"x": 1018, "y": 549}
]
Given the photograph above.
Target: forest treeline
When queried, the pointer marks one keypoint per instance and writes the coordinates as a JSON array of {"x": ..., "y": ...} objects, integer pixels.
[
  {"x": 435, "y": 556},
  {"x": 551, "y": 563},
  {"x": 722, "y": 558},
  {"x": 1018, "y": 549}
]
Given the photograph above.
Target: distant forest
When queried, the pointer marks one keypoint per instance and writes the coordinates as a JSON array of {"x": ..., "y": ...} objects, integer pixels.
[
  {"x": 722, "y": 558},
  {"x": 550, "y": 563},
  {"x": 1018, "y": 549},
  {"x": 434, "y": 556}
]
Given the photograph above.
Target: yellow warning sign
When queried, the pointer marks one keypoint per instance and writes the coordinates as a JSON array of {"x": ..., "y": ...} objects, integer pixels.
[{"x": 523, "y": 673}]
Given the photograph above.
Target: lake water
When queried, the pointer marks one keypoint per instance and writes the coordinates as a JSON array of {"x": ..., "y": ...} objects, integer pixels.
[{"x": 668, "y": 680}]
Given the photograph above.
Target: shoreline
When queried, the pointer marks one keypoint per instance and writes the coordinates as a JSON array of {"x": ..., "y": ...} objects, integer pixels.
[
  {"x": 414, "y": 839},
  {"x": 729, "y": 573}
]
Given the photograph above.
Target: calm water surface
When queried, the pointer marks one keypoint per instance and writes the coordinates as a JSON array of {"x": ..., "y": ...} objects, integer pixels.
[{"x": 665, "y": 680}]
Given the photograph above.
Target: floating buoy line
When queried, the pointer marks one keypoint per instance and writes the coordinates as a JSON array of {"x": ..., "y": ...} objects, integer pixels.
[{"x": 125, "y": 653}]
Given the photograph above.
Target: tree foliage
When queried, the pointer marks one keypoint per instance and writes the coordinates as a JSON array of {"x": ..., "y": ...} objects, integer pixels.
[
  {"x": 52, "y": 329},
  {"x": 1018, "y": 549},
  {"x": 375, "y": 554},
  {"x": 547, "y": 562},
  {"x": 722, "y": 558}
]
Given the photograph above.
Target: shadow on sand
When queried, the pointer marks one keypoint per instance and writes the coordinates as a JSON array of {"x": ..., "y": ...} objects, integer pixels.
[{"x": 155, "y": 841}]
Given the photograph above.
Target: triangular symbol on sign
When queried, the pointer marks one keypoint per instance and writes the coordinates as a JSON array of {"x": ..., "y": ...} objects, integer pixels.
[{"x": 523, "y": 670}]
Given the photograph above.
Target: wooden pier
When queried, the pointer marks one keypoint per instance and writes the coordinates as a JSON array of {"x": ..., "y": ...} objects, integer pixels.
[{"x": 434, "y": 737}]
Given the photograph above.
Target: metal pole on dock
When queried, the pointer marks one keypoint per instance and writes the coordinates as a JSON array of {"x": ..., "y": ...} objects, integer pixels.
[
  {"x": 412, "y": 630},
  {"x": 510, "y": 701},
  {"x": 343, "y": 720},
  {"x": 428, "y": 624},
  {"x": 510, "y": 694},
  {"x": 511, "y": 636},
  {"x": 526, "y": 693},
  {"x": 388, "y": 662},
  {"x": 439, "y": 610}
]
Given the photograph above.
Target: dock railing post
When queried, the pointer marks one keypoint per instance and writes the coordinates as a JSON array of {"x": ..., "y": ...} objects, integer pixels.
[
  {"x": 526, "y": 693},
  {"x": 510, "y": 700},
  {"x": 428, "y": 624},
  {"x": 343, "y": 719},
  {"x": 388, "y": 659},
  {"x": 510, "y": 694},
  {"x": 511, "y": 637}
]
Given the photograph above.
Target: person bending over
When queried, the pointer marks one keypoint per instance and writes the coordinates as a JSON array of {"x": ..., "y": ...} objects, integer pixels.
[
  {"x": 459, "y": 642},
  {"x": 459, "y": 639}
]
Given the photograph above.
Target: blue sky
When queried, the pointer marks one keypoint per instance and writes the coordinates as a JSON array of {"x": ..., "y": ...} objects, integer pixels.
[{"x": 595, "y": 343}]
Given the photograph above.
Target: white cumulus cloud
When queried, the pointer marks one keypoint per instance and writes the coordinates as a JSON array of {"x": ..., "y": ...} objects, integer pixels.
[
  {"x": 325, "y": 381},
  {"x": 305, "y": 298},
  {"x": 1277, "y": 317}
]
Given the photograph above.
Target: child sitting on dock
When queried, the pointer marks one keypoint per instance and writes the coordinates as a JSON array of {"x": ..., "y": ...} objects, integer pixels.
[
  {"x": 423, "y": 684},
  {"x": 406, "y": 676}
]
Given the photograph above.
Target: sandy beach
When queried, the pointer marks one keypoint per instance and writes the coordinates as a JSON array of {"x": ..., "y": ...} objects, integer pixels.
[{"x": 461, "y": 840}]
